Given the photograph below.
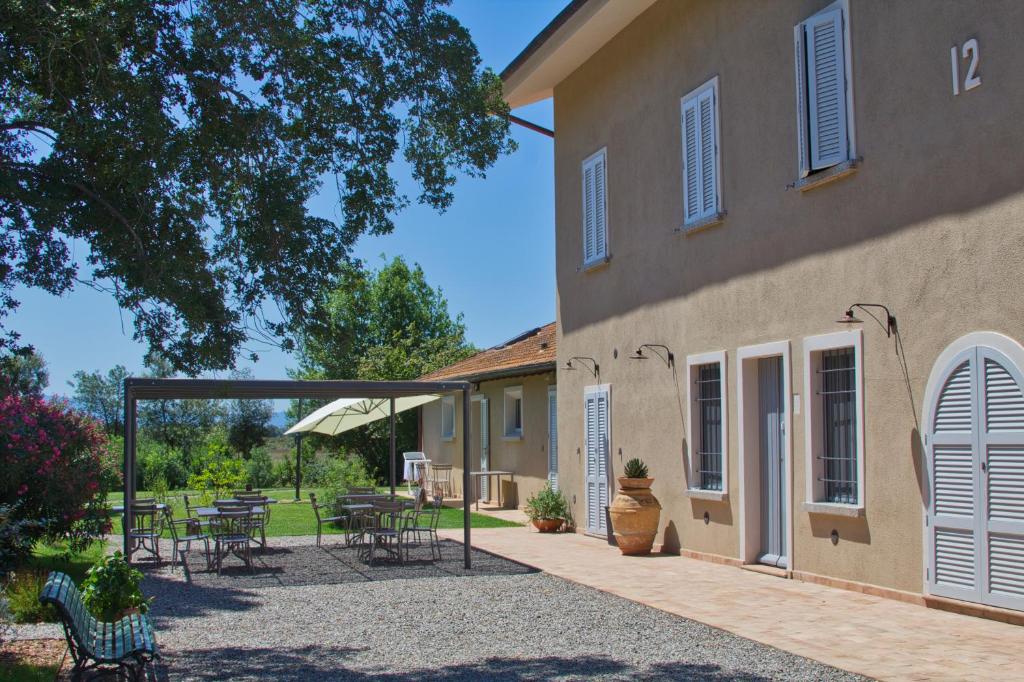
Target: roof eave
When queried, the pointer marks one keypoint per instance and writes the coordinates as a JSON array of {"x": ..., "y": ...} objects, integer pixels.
[
  {"x": 518, "y": 371},
  {"x": 572, "y": 37}
]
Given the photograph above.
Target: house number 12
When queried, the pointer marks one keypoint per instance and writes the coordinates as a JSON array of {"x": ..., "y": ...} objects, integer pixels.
[{"x": 968, "y": 51}]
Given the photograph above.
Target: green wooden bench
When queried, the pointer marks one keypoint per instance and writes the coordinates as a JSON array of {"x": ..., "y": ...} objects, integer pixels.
[{"x": 129, "y": 643}]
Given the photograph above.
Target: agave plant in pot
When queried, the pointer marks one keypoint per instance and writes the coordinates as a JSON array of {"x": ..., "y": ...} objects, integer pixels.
[
  {"x": 547, "y": 510},
  {"x": 635, "y": 511},
  {"x": 111, "y": 589}
]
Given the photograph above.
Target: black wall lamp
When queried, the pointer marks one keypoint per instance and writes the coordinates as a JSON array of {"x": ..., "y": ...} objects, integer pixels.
[
  {"x": 593, "y": 368},
  {"x": 657, "y": 348},
  {"x": 890, "y": 320}
]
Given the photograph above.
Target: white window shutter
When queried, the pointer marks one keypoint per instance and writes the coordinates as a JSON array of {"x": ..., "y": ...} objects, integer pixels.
[
  {"x": 588, "y": 213},
  {"x": 826, "y": 76},
  {"x": 595, "y": 209},
  {"x": 799, "y": 46},
  {"x": 691, "y": 154},
  {"x": 708, "y": 155},
  {"x": 600, "y": 209}
]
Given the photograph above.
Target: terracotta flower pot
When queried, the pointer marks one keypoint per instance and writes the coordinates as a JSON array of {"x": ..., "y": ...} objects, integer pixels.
[
  {"x": 547, "y": 525},
  {"x": 635, "y": 513}
]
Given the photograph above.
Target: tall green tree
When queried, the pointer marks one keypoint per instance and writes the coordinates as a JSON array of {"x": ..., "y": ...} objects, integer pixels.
[
  {"x": 182, "y": 141},
  {"x": 102, "y": 396},
  {"x": 388, "y": 324},
  {"x": 248, "y": 421},
  {"x": 23, "y": 372},
  {"x": 181, "y": 425}
]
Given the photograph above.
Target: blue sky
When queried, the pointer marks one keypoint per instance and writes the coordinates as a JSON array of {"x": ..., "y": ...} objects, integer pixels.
[{"x": 492, "y": 253}]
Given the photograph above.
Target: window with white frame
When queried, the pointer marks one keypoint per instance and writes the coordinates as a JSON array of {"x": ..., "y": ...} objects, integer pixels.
[
  {"x": 834, "y": 420},
  {"x": 595, "y": 208},
  {"x": 448, "y": 417},
  {"x": 701, "y": 161},
  {"x": 514, "y": 412},
  {"x": 824, "y": 95},
  {"x": 707, "y": 423}
]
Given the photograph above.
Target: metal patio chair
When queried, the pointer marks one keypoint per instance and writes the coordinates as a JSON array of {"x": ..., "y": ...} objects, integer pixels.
[
  {"x": 440, "y": 481},
  {"x": 192, "y": 532},
  {"x": 386, "y": 532},
  {"x": 424, "y": 521},
  {"x": 232, "y": 533},
  {"x": 147, "y": 527},
  {"x": 321, "y": 520}
]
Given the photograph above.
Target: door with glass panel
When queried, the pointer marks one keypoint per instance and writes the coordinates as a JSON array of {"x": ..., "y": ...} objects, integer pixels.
[
  {"x": 976, "y": 465},
  {"x": 771, "y": 418}
]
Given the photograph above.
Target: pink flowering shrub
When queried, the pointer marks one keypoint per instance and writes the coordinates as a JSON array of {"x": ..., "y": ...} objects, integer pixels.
[{"x": 55, "y": 469}]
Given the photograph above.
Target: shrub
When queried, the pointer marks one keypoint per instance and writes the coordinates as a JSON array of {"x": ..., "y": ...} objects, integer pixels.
[
  {"x": 111, "y": 587},
  {"x": 22, "y": 593},
  {"x": 16, "y": 537},
  {"x": 635, "y": 468},
  {"x": 340, "y": 474},
  {"x": 219, "y": 478},
  {"x": 260, "y": 469},
  {"x": 52, "y": 469},
  {"x": 547, "y": 504}
]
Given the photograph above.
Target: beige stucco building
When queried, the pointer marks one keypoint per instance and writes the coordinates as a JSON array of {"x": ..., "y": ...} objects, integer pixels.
[
  {"x": 731, "y": 178},
  {"x": 514, "y": 399}
]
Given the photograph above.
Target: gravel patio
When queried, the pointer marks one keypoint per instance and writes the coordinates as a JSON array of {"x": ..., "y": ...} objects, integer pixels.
[{"x": 313, "y": 613}]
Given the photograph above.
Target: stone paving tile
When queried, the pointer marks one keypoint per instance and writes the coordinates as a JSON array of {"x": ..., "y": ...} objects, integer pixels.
[{"x": 873, "y": 636}]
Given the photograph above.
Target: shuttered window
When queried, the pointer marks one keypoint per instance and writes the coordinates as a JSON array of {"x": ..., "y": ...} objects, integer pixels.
[
  {"x": 823, "y": 91},
  {"x": 700, "y": 153},
  {"x": 595, "y": 209},
  {"x": 514, "y": 412},
  {"x": 448, "y": 417}
]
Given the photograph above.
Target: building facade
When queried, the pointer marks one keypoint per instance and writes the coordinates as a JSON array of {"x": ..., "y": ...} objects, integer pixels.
[
  {"x": 513, "y": 415},
  {"x": 731, "y": 179}
]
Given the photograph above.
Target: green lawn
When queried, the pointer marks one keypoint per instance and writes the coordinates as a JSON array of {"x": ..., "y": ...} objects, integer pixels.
[
  {"x": 26, "y": 672},
  {"x": 296, "y": 518}
]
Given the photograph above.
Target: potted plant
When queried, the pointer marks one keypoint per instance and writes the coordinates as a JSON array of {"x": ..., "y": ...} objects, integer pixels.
[
  {"x": 547, "y": 510},
  {"x": 635, "y": 511},
  {"x": 111, "y": 589}
]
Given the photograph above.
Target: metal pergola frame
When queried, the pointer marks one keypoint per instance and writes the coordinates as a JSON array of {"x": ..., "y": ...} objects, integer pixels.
[{"x": 136, "y": 389}]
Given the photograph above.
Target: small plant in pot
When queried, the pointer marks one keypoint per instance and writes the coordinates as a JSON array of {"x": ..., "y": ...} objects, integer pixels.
[
  {"x": 547, "y": 510},
  {"x": 111, "y": 589},
  {"x": 635, "y": 475}
]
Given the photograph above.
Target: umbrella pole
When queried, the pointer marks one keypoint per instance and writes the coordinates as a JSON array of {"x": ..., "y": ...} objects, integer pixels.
[{"x": 392, "y": 458}]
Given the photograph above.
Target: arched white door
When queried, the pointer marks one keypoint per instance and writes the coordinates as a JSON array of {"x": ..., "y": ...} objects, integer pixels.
[{"x": 975, "y": 439}]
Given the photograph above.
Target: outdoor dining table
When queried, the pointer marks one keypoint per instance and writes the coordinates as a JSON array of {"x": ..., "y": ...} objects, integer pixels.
[
  {"x": 496, "y": 473},
  {"x": 119, "y": 508}
]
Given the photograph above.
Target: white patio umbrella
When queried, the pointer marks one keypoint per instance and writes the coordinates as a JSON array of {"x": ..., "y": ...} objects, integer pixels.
[{"x": 348, "y": 413}]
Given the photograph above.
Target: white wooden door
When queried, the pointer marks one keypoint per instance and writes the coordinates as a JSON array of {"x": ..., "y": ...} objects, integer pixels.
[
  {"x": 596, "y": 429},
  {"x": 553, "y": 437},
  {"x": 485, "y": 448},
  {"x": 976, "y": 465}
]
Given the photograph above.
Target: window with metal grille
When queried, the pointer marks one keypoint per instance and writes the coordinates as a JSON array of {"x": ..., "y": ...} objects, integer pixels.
[
  {"x": 709, "y": 409},
  {"x": 839, "y": 427}
]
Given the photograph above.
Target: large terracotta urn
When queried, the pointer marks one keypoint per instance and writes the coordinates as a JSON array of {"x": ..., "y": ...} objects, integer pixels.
[{"x": 635, "y": 513}]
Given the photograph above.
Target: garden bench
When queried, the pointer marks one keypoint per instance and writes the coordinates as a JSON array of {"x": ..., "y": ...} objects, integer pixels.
[{"x": 129, "y": 643}]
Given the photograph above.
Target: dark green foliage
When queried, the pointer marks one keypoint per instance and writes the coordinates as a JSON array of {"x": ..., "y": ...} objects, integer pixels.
[
  {"x": 182, "y": 141},
  {"x": 22, "y": 371},
  {"x": 111, "y": 587},
  {"x": 248, "y": 421},
  {"x": 635, "y": 468},
  {"x": 102, "y": 396},
  {"x": 384, "y": 325}
]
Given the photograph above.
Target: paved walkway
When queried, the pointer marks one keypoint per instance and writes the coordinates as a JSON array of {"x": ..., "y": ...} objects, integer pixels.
[{"x": 877, "y": 637}]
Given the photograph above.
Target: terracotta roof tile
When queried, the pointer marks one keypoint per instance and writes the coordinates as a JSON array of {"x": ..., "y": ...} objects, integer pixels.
[{"x": 527, "y": 351}]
